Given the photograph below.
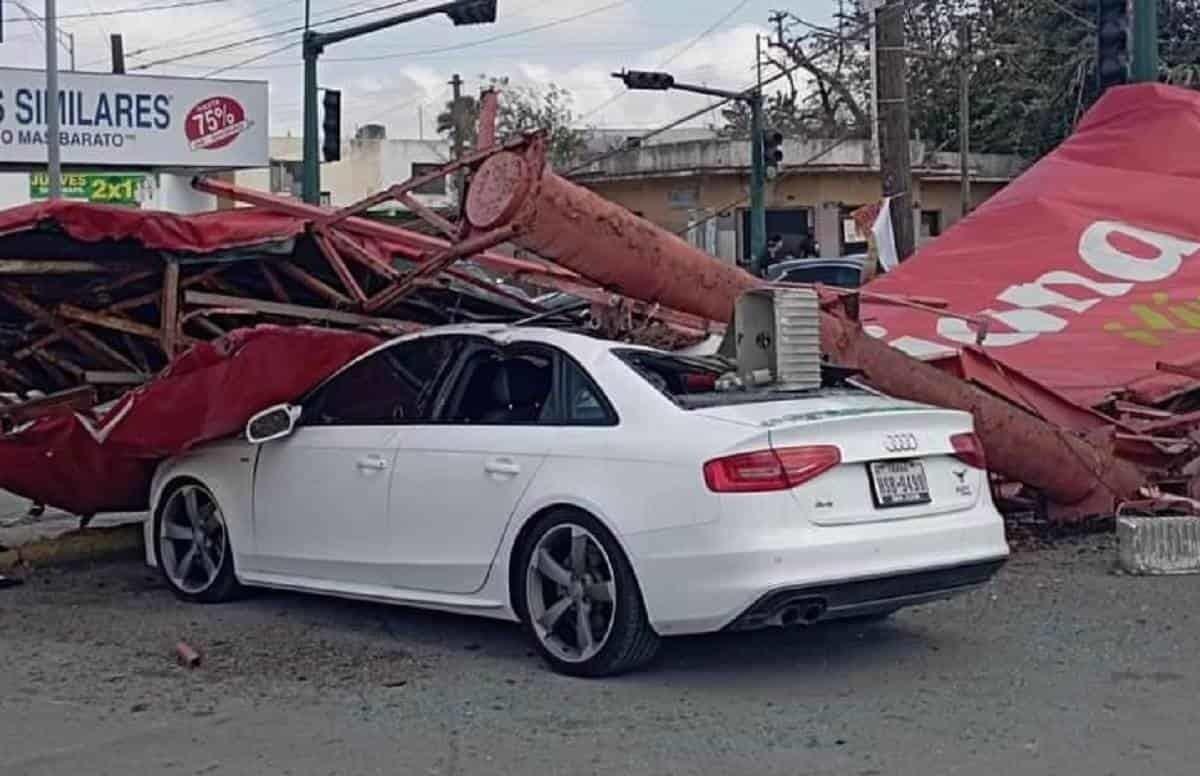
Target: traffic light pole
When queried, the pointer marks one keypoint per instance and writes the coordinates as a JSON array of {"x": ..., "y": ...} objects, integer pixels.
[
  {"x": 1145, "y": 41},
  {"x": 460, "y": 12},
  {"x": 658, "y": 81},
  {"x": 312, "y": 161},
  {"x": 758, "y": 185}
]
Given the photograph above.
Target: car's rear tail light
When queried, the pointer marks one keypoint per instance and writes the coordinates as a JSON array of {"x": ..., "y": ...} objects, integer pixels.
[
  {"x": 969, "y": 450},
  {"x": 769, "y": 470}
]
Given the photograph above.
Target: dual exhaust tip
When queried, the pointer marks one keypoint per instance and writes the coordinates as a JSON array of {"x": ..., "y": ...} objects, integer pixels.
[{"x": 801, "y": 611}]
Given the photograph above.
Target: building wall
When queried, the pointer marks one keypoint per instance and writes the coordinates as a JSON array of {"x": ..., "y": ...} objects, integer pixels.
[
  {"x": 675, "y": 201},
  {"x": 366, "y": 166}
]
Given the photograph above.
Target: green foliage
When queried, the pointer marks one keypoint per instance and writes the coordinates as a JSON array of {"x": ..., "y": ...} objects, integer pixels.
[
  {"x": 523, "y": 109},
  {"x": 1032, "y": 66}
]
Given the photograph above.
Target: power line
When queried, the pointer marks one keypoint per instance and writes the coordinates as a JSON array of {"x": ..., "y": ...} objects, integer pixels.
[
  {"x": 211, "y": 34},
  {"x": 268, "y": 36},
  {"x": 125, "y": 11},
  {"x": 253, "y": 59},
  {"x": 444, "y": 49},
  {"x": 686, "y": 48},
  {"x": 482, "y": 41},
  {"x": 784, "y": 72},
  {"x": 214, "y": 33}
]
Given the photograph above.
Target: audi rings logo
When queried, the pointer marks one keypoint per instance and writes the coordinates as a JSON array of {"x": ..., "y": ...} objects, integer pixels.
[{"x": 900, "y": 443}]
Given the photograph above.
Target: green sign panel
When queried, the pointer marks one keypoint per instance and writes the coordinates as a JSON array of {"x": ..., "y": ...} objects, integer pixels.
[{"x": 102, "y": 188}]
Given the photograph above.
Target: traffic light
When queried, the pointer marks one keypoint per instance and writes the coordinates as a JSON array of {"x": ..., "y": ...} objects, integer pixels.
[
  {"x": 642, "y": 79},
  {"x": 332, "y": 126},
  {"x": 772, "y": 143},
  {"x": 1112, "y": 34},
  {"x": 472, "y": 12}
]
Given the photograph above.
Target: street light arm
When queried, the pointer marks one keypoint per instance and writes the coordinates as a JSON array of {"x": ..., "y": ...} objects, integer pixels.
[
  {"x": 322, "y": 39},
  {"x": 746, "y": 96},
  {"x": 452, "y": 9}
]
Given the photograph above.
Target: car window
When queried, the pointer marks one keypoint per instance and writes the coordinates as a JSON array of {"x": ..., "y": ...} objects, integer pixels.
[
  {"x": 584, "y": 404},
  {"x": 394, "y": 386},
  {"x": 498, "y": 387},
  {"x": 525, "y": 384},
  {"x": 844, "y": 277}
]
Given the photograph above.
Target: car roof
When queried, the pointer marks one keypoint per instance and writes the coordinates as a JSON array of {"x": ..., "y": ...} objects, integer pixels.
[{"x": 580, "y": 345}]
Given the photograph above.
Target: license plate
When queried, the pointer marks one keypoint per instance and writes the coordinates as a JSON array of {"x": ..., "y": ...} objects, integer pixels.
[{"x": 898, "y": 483}]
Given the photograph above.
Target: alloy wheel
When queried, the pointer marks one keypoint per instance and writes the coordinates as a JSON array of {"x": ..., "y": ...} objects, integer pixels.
[
  {"x": 192, "y": 539},
  {"x": 571, "y": 593}
]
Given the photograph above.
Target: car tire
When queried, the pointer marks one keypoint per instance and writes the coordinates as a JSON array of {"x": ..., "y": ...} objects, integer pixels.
[
  {"x": 628, "y": 641},
  {"x": 192, "y": 577}
]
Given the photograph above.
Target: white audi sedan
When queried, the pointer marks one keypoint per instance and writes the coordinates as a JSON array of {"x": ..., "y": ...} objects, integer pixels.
[{"x": 603, "y": 495}]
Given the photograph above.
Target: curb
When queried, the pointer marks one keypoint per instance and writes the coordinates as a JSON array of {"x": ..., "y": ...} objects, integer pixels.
[{"x": 79, "y": 545}]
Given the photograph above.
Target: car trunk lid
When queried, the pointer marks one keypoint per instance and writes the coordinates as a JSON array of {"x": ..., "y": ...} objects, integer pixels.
[{"x": 897, "y": 458}]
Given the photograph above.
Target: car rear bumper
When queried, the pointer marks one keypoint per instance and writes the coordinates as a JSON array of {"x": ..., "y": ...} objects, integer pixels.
[
  {"x": 724, "y": 574},
  {"x": 858, "y": 597}
]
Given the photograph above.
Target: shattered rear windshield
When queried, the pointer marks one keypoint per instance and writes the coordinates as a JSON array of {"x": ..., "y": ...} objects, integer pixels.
[
  {"x": 695, "y": 383},
  {"x": 677, "y": 377}
]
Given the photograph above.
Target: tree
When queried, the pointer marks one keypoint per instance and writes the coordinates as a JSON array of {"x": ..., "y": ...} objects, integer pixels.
[
  {"x": 1032, "y": 67},
  {"x": 524, "y": 109}
]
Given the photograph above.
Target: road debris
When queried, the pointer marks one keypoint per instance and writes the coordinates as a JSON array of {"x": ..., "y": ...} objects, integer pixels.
[{"x": 187, "y": 656}]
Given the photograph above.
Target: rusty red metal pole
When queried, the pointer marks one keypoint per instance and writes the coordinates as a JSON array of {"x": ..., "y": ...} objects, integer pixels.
[
  {"x": 600, "y": 240},
  {"x": 1081, "y": 477}
]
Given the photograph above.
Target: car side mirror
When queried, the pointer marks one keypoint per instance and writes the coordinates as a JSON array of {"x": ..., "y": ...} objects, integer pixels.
[{"x": 272, "y": 423}]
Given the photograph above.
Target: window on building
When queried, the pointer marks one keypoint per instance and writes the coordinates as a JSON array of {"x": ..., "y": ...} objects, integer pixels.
[
  {"x": 684, "y": 198},
  {"x": 436, "y": 186},
  {"x": 931, "y": 224},
  {"x": 852, "y": 238},
  {"x": 326, "y": 199}
]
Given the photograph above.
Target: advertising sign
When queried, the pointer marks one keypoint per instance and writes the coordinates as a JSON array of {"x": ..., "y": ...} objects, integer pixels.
[
  {"x": 101, "y": 188},
  {"x": 135, "y": 121}
]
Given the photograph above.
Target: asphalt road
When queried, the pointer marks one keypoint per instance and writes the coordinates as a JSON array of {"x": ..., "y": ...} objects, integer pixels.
[{"x": 1059, "y": 667}]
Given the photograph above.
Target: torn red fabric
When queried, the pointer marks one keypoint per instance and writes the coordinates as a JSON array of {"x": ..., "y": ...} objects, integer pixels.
[
  {"x": 1086, "y": 268},
  {"x": 201, "y": 233},
  {"x": 87, "y": 465}
]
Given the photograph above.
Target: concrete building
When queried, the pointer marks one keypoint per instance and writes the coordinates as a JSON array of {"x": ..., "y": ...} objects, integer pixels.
[
  {"x": 370, "y": 162},
  {"x": 698, "y": 189}
]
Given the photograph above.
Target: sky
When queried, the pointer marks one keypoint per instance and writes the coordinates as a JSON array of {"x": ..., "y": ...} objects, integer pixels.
[{"x": 399, "y": 77}]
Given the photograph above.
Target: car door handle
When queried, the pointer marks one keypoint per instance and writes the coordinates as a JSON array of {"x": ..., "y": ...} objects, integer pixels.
[
  {"x": 502, "y": 466},
  {"x": 372, "y": 463}
]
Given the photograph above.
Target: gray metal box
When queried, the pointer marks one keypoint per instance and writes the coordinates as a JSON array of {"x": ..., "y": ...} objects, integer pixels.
[{"x": 1159, "y": 545}]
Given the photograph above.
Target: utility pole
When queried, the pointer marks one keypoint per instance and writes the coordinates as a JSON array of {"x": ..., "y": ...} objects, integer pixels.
[
  {"x": 53, "y": 161},
  {"x": 895, "y": 161},
  {"x": 964, "y": 114},
  {"x": 1145, "y": 41},
  {"x": 458, "y": 121},
  {"x": 117, "y": 44}
]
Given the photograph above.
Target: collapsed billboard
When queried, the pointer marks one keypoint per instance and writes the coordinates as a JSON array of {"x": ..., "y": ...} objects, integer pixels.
[{"x": 1084, "y": 273}]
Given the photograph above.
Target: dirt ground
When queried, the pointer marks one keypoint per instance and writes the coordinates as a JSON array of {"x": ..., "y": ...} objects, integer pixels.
[{"x": 1058, "y": 667}]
